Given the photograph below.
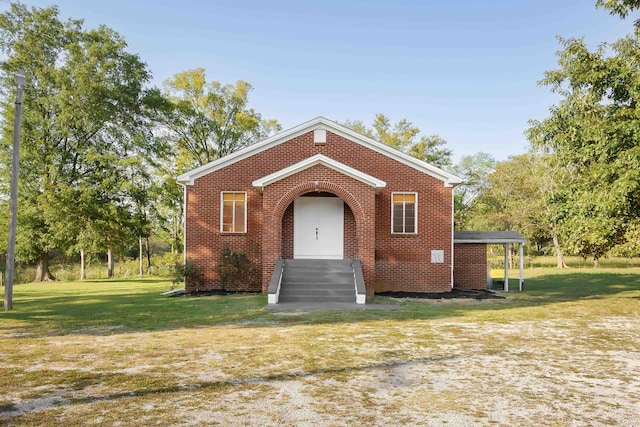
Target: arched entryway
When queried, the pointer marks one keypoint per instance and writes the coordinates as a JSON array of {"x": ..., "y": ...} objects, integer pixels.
[
  {"x": 319, "y": 225},
  {"x": 359, "y": 237}
]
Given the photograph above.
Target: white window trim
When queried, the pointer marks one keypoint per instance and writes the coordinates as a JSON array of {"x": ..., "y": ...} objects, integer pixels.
[
  {"x": 415, "y": 219},
  {"x": 222, "y": 193}
]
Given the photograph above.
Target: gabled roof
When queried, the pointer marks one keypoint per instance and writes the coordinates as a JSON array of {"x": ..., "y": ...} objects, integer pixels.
[
  {"x": 189, "y": 178},
  {"x": 319, "y": 159},
  {"x": 488, "y": 237}
]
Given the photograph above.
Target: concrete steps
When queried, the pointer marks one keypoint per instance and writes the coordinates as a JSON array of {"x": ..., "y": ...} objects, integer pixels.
[{"x": 317, "y": 281}]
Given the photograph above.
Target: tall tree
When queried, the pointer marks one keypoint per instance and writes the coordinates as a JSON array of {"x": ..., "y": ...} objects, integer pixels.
[
  {"x": 593, "y": 133},
  {"x": 168, "y": 211},
  {"x": 520, "y": 195},
  {"x": 82, "y": 110},
  {"x": 209, "y": 120},
  {"x": 405, "y": 137},
  {"x": 475, "y": 171},
  {"x": 500, "y": 205}
]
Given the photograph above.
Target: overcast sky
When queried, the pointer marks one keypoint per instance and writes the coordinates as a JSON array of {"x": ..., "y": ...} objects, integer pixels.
[{"x": 466, "y": 70}]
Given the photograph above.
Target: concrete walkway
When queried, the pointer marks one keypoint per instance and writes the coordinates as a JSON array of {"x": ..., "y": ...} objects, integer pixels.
[{"x": 330, "y": 306}]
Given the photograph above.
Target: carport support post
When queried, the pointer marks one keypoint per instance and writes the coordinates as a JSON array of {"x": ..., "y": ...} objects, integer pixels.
[
  {"x": 506, "y": 267},
  {"x": 521, "y": 253}
]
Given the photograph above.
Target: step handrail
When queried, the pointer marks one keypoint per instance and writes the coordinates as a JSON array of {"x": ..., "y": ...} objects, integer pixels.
[
  {"x": 273, "y": 292},
  {"x": 361, "y": 290}
]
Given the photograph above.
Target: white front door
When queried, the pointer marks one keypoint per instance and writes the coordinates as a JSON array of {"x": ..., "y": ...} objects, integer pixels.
[{"x": 318, "y": 227}]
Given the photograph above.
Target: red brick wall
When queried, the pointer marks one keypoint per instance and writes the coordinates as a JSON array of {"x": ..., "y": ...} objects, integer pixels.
[
  {"x": 392, "y": 262},
  {"x": 406, "y": 259},
  {"x": 287, "y": 233},
  {"x": 470, "y": 261},
  {"x": 350, "y": 236}
]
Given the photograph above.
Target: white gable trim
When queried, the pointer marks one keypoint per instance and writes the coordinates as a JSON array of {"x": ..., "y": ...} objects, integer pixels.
[
  {"x": 319, "y": 159},
  {"x": 449, "y": 179}
]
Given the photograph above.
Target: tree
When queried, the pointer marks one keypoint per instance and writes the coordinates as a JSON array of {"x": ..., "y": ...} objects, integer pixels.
[
  {"x": 84, "y": 107},
  {"x": 168, "y": 211},
  {"x": 619, "y": 7},
  {"x": 210, "y": 120},
  {"x": 403, "y": 136},
  {"x": 138, "y": 192},
  {"x": 514, "y": 198},
  {"x": 500, "y": 205},
  {"x": 550, "y": 179},
  {"x": 593, "y": 134},
  {"x": 474, "y": 171}
]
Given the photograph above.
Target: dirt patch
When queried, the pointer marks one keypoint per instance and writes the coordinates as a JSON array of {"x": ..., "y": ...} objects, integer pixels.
[{"x": 454, "y": 294}]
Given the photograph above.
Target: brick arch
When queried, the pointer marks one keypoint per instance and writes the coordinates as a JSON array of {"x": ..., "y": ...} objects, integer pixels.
[
  {"x": 363, "y": 212},
  {"x": 328, "y": 187}
]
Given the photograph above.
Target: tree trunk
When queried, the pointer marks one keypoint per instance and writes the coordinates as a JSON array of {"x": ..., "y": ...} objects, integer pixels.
[
  {"x": 148, "y": 256},
  {"x": 42, "y": 269},
  {"x": 512, "y": 255},
  {"x": 559, "y": 254},
  {"x": 109, "y": 263},
  {"x": 140, "y": 255},
  {"x": 82, "y": 264}
]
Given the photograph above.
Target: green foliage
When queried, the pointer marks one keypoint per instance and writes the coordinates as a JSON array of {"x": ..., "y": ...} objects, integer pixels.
[
  {"x": 593, "y": 134},
  {"x": 85, "y": 130},
  {"x": 235, "y": 270},
  {"x": 475, "y": 171},
  {"x": 167, "y": 210},
  {"x": 164, "y": 265},
  {"x": 619, "y": 7},
  {"x": 191, "y": 273},
  {"x": 209, "y": 120},
  {"x": 630, "y": 247},
  {"x": 513, "y": 198},
  {"x": 403, "y": 136}
]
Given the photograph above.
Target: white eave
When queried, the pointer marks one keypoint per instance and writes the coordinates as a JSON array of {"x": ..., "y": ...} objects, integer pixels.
[
  {"x": 323, "y": 160},
  {"x": 449, "y": 179}
]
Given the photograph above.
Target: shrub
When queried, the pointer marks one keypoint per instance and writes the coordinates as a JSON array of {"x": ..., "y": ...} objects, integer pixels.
[
  {"x": 164, "y": 264},
  {"x": 235, "y": 270},
  {"x": 190, "y": 273}
]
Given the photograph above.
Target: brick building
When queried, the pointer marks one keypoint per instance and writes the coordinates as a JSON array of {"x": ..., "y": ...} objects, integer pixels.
[{"x": 323, "y": 191}]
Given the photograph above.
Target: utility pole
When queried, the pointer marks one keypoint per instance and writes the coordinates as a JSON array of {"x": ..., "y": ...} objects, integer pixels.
[{"x": 13, "y": 204}]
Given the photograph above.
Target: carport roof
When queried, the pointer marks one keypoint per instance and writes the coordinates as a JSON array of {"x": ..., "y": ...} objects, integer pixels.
[{"x": 488, "y": 237}]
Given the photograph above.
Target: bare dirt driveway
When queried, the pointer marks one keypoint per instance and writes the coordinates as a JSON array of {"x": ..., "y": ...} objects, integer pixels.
[{"x": 528, "y": 362}]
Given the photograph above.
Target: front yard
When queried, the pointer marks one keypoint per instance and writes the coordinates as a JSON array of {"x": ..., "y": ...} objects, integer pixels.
[{"x": 565, "y": 352}]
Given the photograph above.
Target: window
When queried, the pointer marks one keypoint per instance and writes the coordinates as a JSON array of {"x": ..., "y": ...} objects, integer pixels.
[
  {"x": 234, "y": 212},
  {"x": 403, "y": 213}
]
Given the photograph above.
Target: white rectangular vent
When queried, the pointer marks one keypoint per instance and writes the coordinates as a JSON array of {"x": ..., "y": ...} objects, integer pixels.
[{"x": 320, "y": 136}]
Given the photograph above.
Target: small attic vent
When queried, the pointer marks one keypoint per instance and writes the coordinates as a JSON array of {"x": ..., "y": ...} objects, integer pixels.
[{"x": 320, "y": 136}]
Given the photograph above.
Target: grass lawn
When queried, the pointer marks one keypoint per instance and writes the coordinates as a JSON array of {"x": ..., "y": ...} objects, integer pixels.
[{"x": 564, "y": 352}]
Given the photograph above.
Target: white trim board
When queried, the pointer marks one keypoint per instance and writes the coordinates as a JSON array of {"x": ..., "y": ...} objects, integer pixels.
[{"x": 319, "y": 159}]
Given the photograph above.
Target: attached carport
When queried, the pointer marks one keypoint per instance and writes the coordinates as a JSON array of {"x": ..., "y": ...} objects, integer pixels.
[{"x": 504, "y": 238}]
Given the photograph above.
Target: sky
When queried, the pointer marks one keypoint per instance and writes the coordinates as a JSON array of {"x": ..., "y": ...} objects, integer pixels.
[{"x": 465, "y": 70}]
